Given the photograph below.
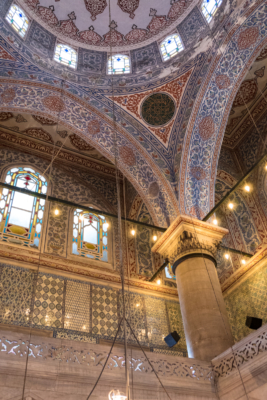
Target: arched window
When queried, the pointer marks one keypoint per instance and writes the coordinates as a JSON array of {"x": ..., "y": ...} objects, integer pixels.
[
  {"x": 119, "y": 64},
  {"x": 18, "y": 20},
  {"x": 21, "y": 215},
  {"x": 90, "y": 237},
  {"x": 171, "y": 46},
  {"x": 209, "y": 8},
  {"x": 65, "y": 55}
]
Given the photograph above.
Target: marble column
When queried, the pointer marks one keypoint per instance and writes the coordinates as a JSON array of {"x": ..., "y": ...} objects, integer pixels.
[{"x": 191, "y": 246}]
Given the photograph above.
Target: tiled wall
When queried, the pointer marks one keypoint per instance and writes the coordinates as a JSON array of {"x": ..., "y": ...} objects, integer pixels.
[
  {"x": 85, "y": 311},
  {"x": 248, "y": 299}
]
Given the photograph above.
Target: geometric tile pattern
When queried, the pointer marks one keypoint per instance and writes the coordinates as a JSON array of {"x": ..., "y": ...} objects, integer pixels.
[
  {"x": 48, "y": 302},
  {"x": 193, "y": 25},
  {"x": 145, "y": 57},
  {"x": 135, "y": 315},
  {"x": 77, "y": 336},
  {"x": 104, "y": 311},
  {"x": 157, "y": 323},
  {"x": 16, "y": 289},
  {"x": 143, "y": 244},
  {"x": 82, "y": 311},
  {"x": 77, "y": 307},
  {"x": 91, "y": 61},
  {"x": 40, "y": 40},
  {"x": 248, "y": 299},
  {"x": 176, "y": 324}
]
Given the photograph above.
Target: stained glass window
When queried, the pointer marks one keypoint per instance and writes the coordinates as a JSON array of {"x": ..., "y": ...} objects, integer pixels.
[
  {"x": 21, "y": 215},
  {"x": 209, "y": 8},
  {"x": 168, "y": 272},
  {"x": 66, "y": 55},
  {"x": 119, "y": 64},
  {"x": 171, "y": 46},
  {"x": 18, "y": 20},
  {"x": 90, "y": 236}
]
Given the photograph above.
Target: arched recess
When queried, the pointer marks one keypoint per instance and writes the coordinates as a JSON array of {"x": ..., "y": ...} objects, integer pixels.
[
  {"x": 209, "y": 118},
  {"x": 96, "y": 129}
]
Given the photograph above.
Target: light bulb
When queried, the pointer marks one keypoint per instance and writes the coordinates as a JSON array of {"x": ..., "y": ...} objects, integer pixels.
[
  {"x": 106, "y": 225},
  {"x": 215, "y": 222},
  {"x": 56, "y": 211},
  {"x": 247, "y": 188},
  {"x": 81, "y": 217},
  {"x": 243, "y": 261},
  {"x": 227, "y": 256},
  {"x": 138, "y": 305},
  {"x": 231, "y": 206},
  {"x": 115, "y": 394},
  {"x": 266, "y": 166},
  {"x": 155, "y": 238},
  {"x": 158, "y": 282},
  {"x": 133, "y": 232}
]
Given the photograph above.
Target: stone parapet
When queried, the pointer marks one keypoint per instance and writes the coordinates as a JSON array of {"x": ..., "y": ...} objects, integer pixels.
[{"x": 66, "y": 369}]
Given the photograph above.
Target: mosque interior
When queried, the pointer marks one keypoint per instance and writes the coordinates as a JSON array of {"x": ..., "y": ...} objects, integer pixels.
[{"x": 133, "y": 199}]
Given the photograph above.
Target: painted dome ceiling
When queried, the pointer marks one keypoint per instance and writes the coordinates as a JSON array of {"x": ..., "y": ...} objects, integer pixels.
[{"x": 125, "y": 24}]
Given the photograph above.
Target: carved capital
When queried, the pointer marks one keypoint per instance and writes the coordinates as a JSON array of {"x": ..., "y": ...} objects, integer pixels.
[{"x": 188, "y": 235}]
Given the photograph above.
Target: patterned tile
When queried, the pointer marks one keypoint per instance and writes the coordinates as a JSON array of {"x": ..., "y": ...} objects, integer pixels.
[
  {"x": 104, "y": 311},
  {"x": 48, "y": 302},
  {"x": 135, "y": 315},
  {"x": 77, "y": 306},
  {"x": 143, "y": 245},
  {"x": 248, "y": 299},
  {"x": 144, "y": 57},
  {"x": 193, "y": 25},
  {"x": 40, "y": 40},
  {"x": 170, "y": 352},
  {"x": 157, "y": 322},
  {"x": 92, "y": 61},
  {"x": 176, "y": 324},
  {"x": 77, "y": 336},
  {"x": 16, "y": 289}
]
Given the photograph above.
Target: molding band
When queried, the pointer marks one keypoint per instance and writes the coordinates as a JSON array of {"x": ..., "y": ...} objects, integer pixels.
[{"x": 193, "y": 255}]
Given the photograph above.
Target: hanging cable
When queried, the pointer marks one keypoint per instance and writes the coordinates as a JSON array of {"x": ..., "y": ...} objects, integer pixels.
[
  {"x": 114, "y": 340},
  {"x": 39, "y": 259}
]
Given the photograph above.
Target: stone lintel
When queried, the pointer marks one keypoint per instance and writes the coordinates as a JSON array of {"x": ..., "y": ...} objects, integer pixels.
[{"x": 189, "y": 235}]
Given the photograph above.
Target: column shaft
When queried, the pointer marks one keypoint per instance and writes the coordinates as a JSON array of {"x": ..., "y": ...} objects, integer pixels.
[{"x": 205, "y": 319}]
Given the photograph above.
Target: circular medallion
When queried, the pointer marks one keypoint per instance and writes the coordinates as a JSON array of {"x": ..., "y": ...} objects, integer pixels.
[{"x": 158, "y": 109}]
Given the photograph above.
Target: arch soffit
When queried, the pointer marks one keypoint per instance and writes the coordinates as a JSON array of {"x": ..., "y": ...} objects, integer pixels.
[
  {"x": 162, "y": 208},
  {"x": 211, "y": 111}
]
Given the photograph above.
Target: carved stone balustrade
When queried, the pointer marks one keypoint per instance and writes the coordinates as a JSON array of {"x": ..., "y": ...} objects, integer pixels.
[{"x": 68, "y": 369}]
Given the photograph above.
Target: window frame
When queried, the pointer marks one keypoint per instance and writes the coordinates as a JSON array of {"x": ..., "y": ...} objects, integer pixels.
[
  {"x": 176, "y": 54},
  {"x": 60, "y": 42},
  {"x": 3, "y": 175},
  {"x": 115, "y": 55},
  {"x": 110, "y": 263},
  {"x": 211, "y": 16},
  {"x": 27, "y": 16}
]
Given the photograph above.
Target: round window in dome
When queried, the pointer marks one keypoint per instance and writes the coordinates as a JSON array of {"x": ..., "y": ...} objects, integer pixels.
[{"x": 158, "y": 109}]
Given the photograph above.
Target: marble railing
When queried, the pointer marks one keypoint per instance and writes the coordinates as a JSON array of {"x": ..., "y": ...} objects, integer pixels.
[
  {"x": 14, "y": 345},
  {"x": 246, "y": 350}
]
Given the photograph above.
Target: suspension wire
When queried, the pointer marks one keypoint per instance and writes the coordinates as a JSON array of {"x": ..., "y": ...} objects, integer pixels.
[
  {"x": 115, "y": 140},
  {"x": 114, "y": 340},
  {"x": 148, "y": 361},
  {"x": 39, "y": 255},
  {"x": 128, "y": 270}
]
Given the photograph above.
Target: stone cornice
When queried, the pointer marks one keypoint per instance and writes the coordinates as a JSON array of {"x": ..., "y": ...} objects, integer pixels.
[
  {"x": 78, "y": 270},
  {"x": 189, "y": 235}
]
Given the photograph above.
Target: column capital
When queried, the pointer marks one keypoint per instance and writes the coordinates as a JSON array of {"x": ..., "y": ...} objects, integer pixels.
[{"x": 188, "y": 235}]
